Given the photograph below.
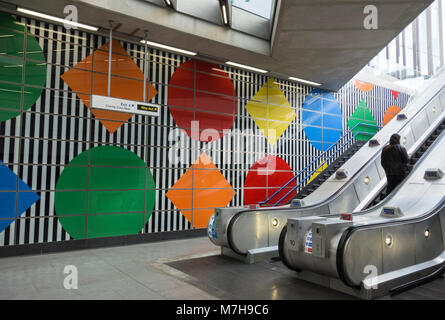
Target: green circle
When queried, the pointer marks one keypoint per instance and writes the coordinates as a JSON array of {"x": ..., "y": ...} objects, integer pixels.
[
  {"x": 12, "y": 64},
  {"x": 104, "y": 192}
]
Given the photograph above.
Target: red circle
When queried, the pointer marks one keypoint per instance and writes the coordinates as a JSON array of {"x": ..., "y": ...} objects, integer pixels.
[
  {"x": 265, "y": 178},
  {"x": 202, "y": 92}
]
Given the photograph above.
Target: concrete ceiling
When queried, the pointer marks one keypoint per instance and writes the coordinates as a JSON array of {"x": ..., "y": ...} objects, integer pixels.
[{"x": 318, "y": 40}]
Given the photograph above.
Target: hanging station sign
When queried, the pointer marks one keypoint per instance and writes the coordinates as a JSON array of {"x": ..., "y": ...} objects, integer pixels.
[{"x": 126, "y": 106}]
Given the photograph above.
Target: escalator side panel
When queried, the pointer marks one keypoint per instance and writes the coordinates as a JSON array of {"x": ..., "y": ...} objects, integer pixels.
[
  {"x": 442, "y": 225},
  {"x": 408, "y": 136},
  {"x": 428, "y": 248},
  {"x": 380, "y": 169},
  {"x": 364, "y": 187},
  {"x": 343, "y": 204},
  {"x": 324, "y": 191},
  {"x": 410, "y": 248},
  {"x": 420, "y": 125},
  {"x": 370, "y": 255},
  {"x": 401, "y": 251}
]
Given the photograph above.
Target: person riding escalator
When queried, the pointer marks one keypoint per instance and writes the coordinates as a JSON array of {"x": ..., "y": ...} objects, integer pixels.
[{"x": 394, "y": 161}]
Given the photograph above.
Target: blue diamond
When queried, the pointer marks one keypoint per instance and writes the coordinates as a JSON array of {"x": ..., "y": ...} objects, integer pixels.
[{"x": 11, "y": 196}]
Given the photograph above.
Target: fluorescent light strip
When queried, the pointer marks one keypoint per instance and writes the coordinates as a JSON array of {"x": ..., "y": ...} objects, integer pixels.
[
  {"x": 305, "y": 81},
  {"x": 246, "y": 67},
  {"x": 162, "y": 46},
  {"x": 168, "y": 3},
  {"x": 60, "y": 20},
  {"x": 225, "y": 14}
]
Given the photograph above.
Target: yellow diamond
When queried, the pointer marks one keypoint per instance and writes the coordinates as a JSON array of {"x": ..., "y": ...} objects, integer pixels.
[{"x": 271, "y": 111}]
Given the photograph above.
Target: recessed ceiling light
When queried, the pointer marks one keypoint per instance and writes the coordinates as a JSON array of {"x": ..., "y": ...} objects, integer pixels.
[
  {"x": 168, "y": 3},
  {"x": 305, "y": 81},
  {"x": 246, "y": 67},
  {"x": 162, "y": 46},
  {"x": 60, "y": 20}
]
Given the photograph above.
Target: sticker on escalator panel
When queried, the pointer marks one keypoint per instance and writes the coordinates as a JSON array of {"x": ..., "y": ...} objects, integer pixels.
[
  {"x": 308, "y": 242},
  {"x": 211, "y": 228}
]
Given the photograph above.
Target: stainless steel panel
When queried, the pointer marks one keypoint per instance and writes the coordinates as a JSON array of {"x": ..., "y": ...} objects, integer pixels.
[
  {"x": 326, "y": 190},
  {"x": 434, "y": 110},
  {"x": 410, "y": 140},
  {"x": 438, "y": 105},
  {"x": 361, "y": 187},
  {"x": 442, "y": 99},
  {"x": 275, "y": 230},
  {"x": 346, "y": 202},
  {"x": 420, "y": 124},
  {"x": 380, "y": 169},
  {"x": 251, "y": 230},
  {"x": 364, "y": 248},
  {"x": 402, "y": 250},
  {"x": 430, "y": 247},
  {"x": 250, "y": 23}
]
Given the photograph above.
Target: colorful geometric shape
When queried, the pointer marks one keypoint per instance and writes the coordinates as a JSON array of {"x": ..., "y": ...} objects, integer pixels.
[
  {"x": 322, "y": 119},
  {"x": 265, "y": 178},
  {"x": 395, "y": 94},
  {"x": 202, "y": 92},
  {"x": 13, "y": 199},
  {"x": 11, "y": 67},
  {"x": 126, "y": 82},
  {"x": 271, "y": 111},
  {"x": 323, "y": 166},
  {"x": 390, "y": 113},
  {"x": 362, "y": 123},
  {"x": 199, "y": 190},
  {"x": 104, "y": 192},
  {"x": 363, "y": 86}
]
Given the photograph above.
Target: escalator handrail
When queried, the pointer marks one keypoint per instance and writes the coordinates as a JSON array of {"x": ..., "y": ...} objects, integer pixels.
[{"x": 320, "y": 156}]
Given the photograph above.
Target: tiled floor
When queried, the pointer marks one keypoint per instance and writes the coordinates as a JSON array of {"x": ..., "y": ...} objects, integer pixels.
[
  {"x": 191, "y": 269},
  {"x": 131, "y": 272}
]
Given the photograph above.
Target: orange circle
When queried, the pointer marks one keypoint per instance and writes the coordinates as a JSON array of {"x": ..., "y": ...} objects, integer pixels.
[{"x": 390, "y": 113}]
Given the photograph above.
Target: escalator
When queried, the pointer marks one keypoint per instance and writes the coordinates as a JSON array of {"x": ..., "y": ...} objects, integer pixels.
[
  {"x": 393, "y": 245},
  {"x": 243, "y": 229}
]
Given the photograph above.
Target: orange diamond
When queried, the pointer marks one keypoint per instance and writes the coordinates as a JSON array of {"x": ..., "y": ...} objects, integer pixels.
[
  {"x": 122, "y": 65},
  {"x": 199, "y": 190}
]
